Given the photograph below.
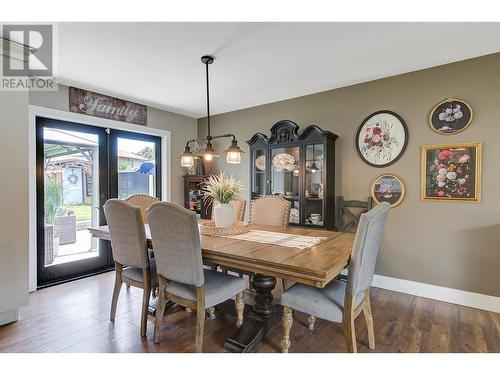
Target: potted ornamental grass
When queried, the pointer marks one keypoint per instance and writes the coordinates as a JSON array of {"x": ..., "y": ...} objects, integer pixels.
[{"x": 221, "y": 190}]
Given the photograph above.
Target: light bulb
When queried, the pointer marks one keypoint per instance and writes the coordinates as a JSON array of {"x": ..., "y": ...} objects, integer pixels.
[
  {"x": 233, "y": 157},
  {"x": 208, "y": 157}
]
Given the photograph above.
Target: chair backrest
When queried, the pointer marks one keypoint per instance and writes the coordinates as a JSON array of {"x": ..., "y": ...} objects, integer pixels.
[
  {"x": 366, "y": 247},
  {"x": 128, "y": 236},
  {"x": 239, "y": 206},
  {"x": 176, "y": 240},
  {"x": 349, "y": 212},
  {"x": 270, "y": 210},
  {"x": 143, "y": 201}
]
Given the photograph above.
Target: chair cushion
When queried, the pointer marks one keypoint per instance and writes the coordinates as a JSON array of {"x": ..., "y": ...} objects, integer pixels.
[
  {"x": 326, "y": 303},
  {"x": 135, "y": 273},
  {"x": 218, "y": 288}
]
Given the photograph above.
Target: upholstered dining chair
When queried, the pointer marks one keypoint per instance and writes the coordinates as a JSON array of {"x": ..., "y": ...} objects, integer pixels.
[
  {"x": 130, "y": 248},
  {"x": 181, "y": 276},
  {"x": 239, "y": 206},
  {"x": 342, "y": 302},
  {"x": 270, "y": 210},
  {"x": 143, "y": 201}
]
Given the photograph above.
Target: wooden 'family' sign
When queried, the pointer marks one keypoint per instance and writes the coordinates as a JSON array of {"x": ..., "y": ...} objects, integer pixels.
[{"x": 93, "y": 104}]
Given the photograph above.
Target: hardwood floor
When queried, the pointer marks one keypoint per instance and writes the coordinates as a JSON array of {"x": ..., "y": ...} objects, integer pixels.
[{"x": 74, "y": 317}]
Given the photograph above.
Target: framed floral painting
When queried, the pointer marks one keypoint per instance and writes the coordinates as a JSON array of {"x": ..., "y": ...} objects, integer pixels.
[
  {"x": 388, "y": 188},
  {"x": 382, "y": 138},
  {"x": 451, "y": 172},
  {"x": 450, "y": 116}
]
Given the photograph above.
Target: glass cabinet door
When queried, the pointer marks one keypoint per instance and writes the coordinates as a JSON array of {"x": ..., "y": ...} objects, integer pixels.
[
  {"x": 285, "y": 174},
  {"x": 259, "y": 173},
  {"x": 314, "y": 184}
]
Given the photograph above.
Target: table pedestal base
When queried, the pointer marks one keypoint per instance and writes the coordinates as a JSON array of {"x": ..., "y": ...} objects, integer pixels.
[{"x": 263, "y": 315}]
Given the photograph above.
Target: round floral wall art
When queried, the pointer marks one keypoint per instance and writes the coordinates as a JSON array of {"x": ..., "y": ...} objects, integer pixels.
[
  {"x": 450, "y": 117},
  {"x": 388, "y": 188},
  {"x": 451, "y": 172},
  {"x": 382, "y": 138}
]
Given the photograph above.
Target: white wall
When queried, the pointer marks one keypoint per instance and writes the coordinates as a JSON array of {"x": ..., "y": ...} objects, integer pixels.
[{"x": 14, "y": 203}]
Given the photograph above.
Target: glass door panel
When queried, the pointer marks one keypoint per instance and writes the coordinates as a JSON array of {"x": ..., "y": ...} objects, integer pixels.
[
  {"x": 135, "y": 164},
  {"x": 314, "y": 183},
  {"x": 285, "y": 180},
  {"x": 136, "y": 167},
  {"x": 259, "y": 180},
  {"x": 71, "y": 180}
]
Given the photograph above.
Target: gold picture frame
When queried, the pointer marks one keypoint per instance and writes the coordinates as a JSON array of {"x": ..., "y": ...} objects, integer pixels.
[
  {"x": 393, "y": 199},
  {"x": 451, "y": 172},
  {"x": 468, "y": 112}
]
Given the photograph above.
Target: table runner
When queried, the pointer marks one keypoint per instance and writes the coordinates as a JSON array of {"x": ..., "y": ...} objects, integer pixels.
[{"x": 282, "y": 239}]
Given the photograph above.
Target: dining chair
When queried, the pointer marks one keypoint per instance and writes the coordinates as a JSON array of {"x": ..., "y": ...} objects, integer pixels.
[
  {"x": 342, "y": 302},
  {"x": 143, "y": 201},
  {"x": 239, "y": 206},
  {"x": 270, "y": 210},
  {"x": 129, "y": 247},
  {"x": 181, "y": 276},
  {"x": 349, "y": 212}
]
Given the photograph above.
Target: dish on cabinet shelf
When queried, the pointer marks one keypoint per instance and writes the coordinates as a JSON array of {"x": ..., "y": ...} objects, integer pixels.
[
  {"x": 260, "y": 163},
  {"x": 294, "y": 216}
]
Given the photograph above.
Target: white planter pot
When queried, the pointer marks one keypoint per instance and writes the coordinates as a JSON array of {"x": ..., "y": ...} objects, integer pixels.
[{"x": 223, "y": 215}]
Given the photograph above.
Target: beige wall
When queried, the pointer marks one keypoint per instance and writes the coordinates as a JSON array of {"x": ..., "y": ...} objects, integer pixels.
[
  {"x": 450, "y": 244},
  {"x": 182, "y": 128},
  {"x": 14, "y": 201}
]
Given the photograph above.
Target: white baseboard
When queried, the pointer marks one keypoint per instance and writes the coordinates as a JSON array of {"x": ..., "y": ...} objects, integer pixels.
[
  {"x": 8, "y": 316},
  {"x": 459, "y": 297}
]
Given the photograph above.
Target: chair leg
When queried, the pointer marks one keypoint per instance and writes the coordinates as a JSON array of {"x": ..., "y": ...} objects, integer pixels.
[
  {"x": 211, "y": 313},
  {"x": 348, "y": 324},
  {"x": 145, "y": 300},
  {"x": 283, "y": 284},
  {"x": 286, "y": 322},
  {"x": 200, "y": 319},
  {"x": 116, "y": 290},
  {"x": 160, "y": 309},
  {"x": 367, "y": 312},
  {"x": 239, "y": 306},
  {"x": 310, "y": 322}
]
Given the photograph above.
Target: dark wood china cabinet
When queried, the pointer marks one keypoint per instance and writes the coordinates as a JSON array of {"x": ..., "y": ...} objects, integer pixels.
[
  {"x": 297, "y": 167},
  {"x": 193, "y": 196}
]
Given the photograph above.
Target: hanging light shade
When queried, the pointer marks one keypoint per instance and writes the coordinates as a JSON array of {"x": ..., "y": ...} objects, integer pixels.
[
  {"x": 187, "y": 158},
  {"x": 209, "y": 152},
  {"x": 233, "y": 153}
]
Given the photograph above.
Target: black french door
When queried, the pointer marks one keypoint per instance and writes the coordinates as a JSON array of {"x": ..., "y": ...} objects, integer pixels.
[{"x": 79, "y": 167}]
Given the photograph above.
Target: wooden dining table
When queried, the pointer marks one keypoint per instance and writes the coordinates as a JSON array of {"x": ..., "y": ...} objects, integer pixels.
[{"x": 315, "y": 266}]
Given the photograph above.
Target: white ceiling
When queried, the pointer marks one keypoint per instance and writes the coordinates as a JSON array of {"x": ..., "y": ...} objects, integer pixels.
[{"x": 255, "y": 63}]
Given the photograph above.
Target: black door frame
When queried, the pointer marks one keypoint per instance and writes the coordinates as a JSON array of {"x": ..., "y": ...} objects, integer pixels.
[{"x": 108, "y": 188}]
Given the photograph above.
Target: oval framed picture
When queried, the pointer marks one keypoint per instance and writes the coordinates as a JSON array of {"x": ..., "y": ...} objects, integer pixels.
[
  {"x": 451, "y": 116},
  {"x": 389, "y": 188},
  {"x": 381, "y": 139}
]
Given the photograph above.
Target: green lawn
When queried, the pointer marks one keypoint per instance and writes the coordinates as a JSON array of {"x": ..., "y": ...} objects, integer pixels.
[{"x": 81, "y": 211}]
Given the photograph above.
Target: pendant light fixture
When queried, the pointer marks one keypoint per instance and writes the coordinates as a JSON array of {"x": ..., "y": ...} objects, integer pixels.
[{"x": 233, "y": 153}]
